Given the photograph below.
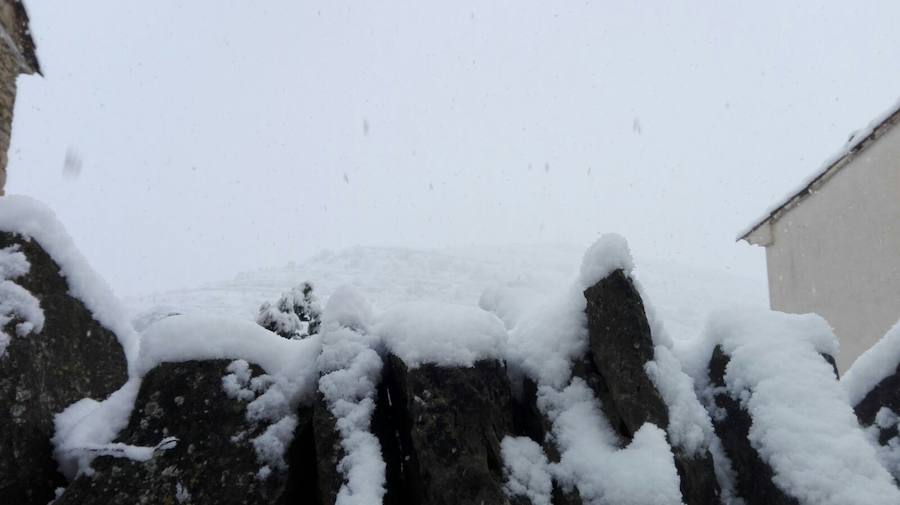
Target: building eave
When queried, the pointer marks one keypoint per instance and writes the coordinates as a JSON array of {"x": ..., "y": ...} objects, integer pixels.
[{"x": 857, "y": 143}]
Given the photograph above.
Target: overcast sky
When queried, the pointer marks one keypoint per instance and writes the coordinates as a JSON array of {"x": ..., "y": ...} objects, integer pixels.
[{"x": 218, "y": 136}]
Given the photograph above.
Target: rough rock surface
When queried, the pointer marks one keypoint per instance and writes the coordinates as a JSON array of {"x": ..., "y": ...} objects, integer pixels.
[
  {"x": 214, "y": 460},
  {"x": 753, "y": 477},
  {"x": 441, "y": 430},
  {"x": 621, "y": 344},
  {"x": 73, "y": 357}
]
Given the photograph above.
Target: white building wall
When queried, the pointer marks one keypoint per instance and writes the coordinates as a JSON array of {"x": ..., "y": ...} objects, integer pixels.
[{"x": 837, "y": 253}]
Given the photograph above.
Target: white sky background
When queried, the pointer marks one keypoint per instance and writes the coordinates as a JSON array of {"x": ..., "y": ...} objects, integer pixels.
[{"x": 216, "y": 135}]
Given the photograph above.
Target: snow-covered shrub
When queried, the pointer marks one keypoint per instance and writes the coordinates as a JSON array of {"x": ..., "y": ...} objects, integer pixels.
[{"x": 295, "y": 315}]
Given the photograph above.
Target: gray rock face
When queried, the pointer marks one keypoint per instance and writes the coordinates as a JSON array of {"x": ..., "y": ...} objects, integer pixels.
[
  {"x": 73, "y": 357},
  {"x": 620, "y": 345},
  {"x": 214, "y": 460},
  {"x": 753, "y": 477},
  {"x": 440, "y": 431}
]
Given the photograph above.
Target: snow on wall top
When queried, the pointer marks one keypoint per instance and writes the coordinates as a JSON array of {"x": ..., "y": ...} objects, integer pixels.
[
  {"x": 803, "y": 426},
  {"x": 31, "y": 218},
  {"x": 441, "y": 333},
  {"x": 188, "y": 337},
  {"x": 349, "y": 308},
  {"x": 857, "y": 142},
  {"x": 873, "y": 366}
]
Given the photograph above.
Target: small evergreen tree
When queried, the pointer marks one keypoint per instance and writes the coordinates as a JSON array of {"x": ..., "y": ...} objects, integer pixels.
[{"x": 295, "y": 315}]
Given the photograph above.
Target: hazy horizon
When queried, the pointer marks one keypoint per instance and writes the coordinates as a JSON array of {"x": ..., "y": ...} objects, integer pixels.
[{"x": 208, "y": 138}]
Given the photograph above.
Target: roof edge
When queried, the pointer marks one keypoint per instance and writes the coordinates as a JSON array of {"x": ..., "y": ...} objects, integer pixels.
[{"x": 858, "y": 142}]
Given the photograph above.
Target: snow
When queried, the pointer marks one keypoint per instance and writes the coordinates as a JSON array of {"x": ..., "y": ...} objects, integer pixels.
[
  {"x": 873, "y": 366},
  {"x": 272, "y": 445},
  {"x": 547, "y": 335},
  {"x": 683, "y": 293},
  {"x": 803, "y": 426},
  {"x": 186, "y": 337},
  {"x": 13, "y": 263},
  {"x": 888, "y": 454},
  {"x": 442, "y": 334},
  {"x": 609, "y": 253},
  {"x": 237, "y": 383},
  {"x": 350, "y": 370},
  {"x": 544, "y": 343},
  {"x": 86, "y": 429},
  {"x": 592, "y": 460},
  {"x": 349, "y": 308},
  {"x": 16, "y": 303},
  {"x": 33, "y": 219},
  {"x": 510, "y": 302},
  {"x": 290, "y": 366},
  {"x": 689, "y": 425},
  {"x": 527, "y": 470},
  {"x": 855, "y": 140}
]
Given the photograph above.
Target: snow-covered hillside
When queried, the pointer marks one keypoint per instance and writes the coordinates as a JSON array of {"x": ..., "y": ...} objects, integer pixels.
[{"x": 683, "y": 295}]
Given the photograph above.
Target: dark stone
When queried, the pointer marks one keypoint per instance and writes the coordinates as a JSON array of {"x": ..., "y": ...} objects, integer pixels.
[
  {"x": 328, "y": 451},
  {"x": 446, "y": 432},
  {"x": 753, "y": 477},
  {"x": 41, "y": 374},
  {"x": 621, "y": 344},
  {"x": 214, "y": 460},
  {"x": 698, "y": 478}
]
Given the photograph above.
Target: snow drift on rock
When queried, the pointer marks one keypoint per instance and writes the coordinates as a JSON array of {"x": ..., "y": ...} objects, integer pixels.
[
  {"x": 350, "y": 370},
  {"x": 873, "y": 366},
  {"x": 643, "y": 473},
  {"x": 609, "y": 253},
  {"x": 442, "y": 334},
  {"x": 527, "y": 470},
  {"x": 31, "y": 218},
  {"x": 803, "y": 426},
  {"x": 86, "y": 429}
]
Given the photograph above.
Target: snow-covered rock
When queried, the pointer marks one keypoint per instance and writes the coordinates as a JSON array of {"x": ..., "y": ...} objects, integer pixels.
[
  {"x": 782, "y": 417},
  {"x": 189, "y": 440},
  {"x": 601, "y": 332},
  {"x": 351, "y": 469},
  {"x": 61, "y": 341},
  {"x": 543, "y": 393},
  {"x": 873, "y": 384}
]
